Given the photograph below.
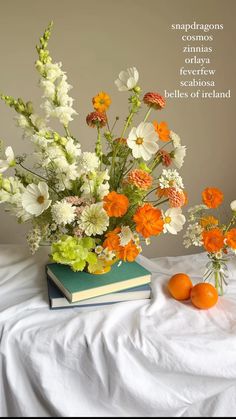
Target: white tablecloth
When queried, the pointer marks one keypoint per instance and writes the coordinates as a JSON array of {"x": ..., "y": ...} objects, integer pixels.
[{"x": 158, "y": 358}]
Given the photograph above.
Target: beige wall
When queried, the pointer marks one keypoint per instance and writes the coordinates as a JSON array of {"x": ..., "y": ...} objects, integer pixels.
[{"x": 95, "y": 40}]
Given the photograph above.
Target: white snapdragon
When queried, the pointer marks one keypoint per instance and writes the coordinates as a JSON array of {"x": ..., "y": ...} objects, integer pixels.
[
  {"x": 96, "y": 184},
  {"x": 171, "y": 179},
  {"x": 9, "y": 161},
  {"x": 73, "y": 149}
]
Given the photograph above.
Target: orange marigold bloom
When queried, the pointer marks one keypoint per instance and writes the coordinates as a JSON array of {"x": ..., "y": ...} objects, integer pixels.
[
  {"x": 212, "y": 197},
  {"x": 149, "y": 221},
  {"x": 162, "y": 130},
  {"x": 112, "y": 241},
  {"x": 140, "y": 178},
  {"x": 209, "y": 221},
  {"x": 129, "y": 252},
  {"x": 231, "y": 238},
  {"x": 213, "y": 240},
  {"x": 101, "y": 102},
  {"x": 116, "y": 205}
]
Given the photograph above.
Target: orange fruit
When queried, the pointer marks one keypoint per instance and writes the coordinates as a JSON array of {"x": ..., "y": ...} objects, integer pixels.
[
  {"x": 204, "y": 296},
  {"x": 180, "y": 286}
]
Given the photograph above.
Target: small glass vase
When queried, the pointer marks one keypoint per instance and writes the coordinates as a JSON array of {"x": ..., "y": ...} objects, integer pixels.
[{"x": 217, "y": 272}]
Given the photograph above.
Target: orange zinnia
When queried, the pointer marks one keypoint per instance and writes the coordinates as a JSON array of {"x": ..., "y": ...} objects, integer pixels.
[
  {"x": 128, "y": 252},
  {"x": 213, "y": 240},
  {"x": 212, "y": 197},
  {"x": 231, "y": 238},
  {"x": 149, "y": 221},
  {"x": 101, "y": 102},
  {"x": 162, "y": 130},
  {"x": 112, "y": 241},
  {"x": 116, "y": 205}
]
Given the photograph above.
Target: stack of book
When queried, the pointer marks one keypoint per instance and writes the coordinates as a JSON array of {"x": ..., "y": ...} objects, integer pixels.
[{"x": 125, "y": 282}]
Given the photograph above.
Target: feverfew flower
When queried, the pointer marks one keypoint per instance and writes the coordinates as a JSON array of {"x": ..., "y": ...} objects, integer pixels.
[
  {"x": 63, "y": 213},
  {"x": 174, "y": 220},
  {"x": 171, "y": 179},
  {"x": 94, "y": 220},
  {"x": 175, "y": 139},
  {"x": 35, "y": 199},
  {"x": 126, "y": 235},
  {"x": 193, "y": 235},
  {"x": 9, "y": 162},
  {"x": 127, "y": 79},
  {"x": 179, "y": 155},
  {"x": 143, "y": 141}
]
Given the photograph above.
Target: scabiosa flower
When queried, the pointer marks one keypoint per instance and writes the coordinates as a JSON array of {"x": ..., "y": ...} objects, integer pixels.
[
  {"x": 96, "y": 119},
  {"x": 140, "y": 179},
  {"x": 63, "y": 213},
  {"x": 154, "y": 100},
  {"x": 165, "y": 158},
  {"x": 177, "y": 198}
]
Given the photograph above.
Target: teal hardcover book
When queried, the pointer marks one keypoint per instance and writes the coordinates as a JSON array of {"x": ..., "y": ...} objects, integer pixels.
[
  {"x": 57, "y": 300},
  {"x": 79, "y": 286}
]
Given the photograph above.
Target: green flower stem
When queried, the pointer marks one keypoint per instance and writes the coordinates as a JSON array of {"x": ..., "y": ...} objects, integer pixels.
[
  {"x": 161, "y": 202},
  {"x": 98, "y": 147},
  {"x": 67, "y": 131},
  {"x": 232, "y": 222},
  {"x": 37, "y": 175},
  {"x": 147, "y": 114}
]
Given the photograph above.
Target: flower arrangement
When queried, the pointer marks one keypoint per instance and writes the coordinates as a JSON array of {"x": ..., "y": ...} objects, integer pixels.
[
  {"x": 93, "y": 207},
  {"x": 218, "y": 239}
]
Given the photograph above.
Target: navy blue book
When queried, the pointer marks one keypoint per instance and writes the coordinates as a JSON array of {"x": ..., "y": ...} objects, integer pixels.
[{"x": 58, "y": 300}]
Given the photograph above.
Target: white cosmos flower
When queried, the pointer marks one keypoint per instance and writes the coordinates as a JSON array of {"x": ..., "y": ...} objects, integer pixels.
[
  {"x": 94, "y": 220},
  {"x": 126, "y": 235},
  {"x": 143, "y": 141},
  {"x": 127, "y": 79},
  {"x": 175, "y": 139},
  {"x": 233, "y": 205},
  {"x": 35, "y": 199},
  {"x": 179, "y": 155},
  {"x": 173, "y": 220},
  {"x": 9, "y": 162},
  {"x": 63, "y": 213}
]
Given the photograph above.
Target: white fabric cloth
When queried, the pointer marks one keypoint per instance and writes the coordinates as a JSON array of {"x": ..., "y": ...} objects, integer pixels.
[{"x": 159, "y": 358}]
